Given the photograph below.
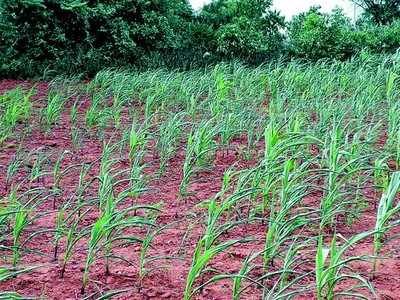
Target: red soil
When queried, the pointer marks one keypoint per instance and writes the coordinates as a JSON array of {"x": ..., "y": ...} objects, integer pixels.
[{"x": 179, "y": 240}]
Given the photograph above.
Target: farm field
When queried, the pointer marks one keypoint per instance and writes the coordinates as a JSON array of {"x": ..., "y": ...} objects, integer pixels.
[{"x": 276, "y": 182}]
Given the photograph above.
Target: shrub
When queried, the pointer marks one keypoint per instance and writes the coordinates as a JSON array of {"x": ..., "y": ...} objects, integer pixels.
[
  {"x": 378, "y": 39},
  {"x": 85, "y": 36},
  {"x": 242, "y": 28},
  {"x": 315, "y": 35}
]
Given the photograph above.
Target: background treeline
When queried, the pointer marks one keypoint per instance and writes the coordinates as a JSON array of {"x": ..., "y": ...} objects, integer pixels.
[{"x": 49, "y": 37}]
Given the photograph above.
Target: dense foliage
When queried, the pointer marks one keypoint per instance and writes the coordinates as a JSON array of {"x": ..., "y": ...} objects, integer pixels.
[
  {"x": 73, "y": 35},
  {"x": 382, "y": 12},
  {"x": 242, "y": 28},
  {"x": 315, "y": 35},
  {"x": 49, "y": 37}
]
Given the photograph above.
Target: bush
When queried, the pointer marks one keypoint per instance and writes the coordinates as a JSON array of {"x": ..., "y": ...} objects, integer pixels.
[
  {"x": 315, "y": 35},
  {"x": 378, "y": 39},
  {"x": 242, "y": 29},
  {"x": 86, "y": 36}
]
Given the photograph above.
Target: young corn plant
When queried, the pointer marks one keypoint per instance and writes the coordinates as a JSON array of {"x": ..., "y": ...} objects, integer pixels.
[
  {"x": 15, "y": 106},
  {"x": 108, "y": 230},
  {"x": 19, "y": 212},
  {"x": 147, "y": 261},
  {"x": 13, "y": 168},
  {"x": 208, "y": 247},
  {"x": 393, "y": 132},
  {"x": 272, "y": 140},
  {"x": 58, "y": 174},
  {"x": 7, "y": 273},
  {"x": 121, "y": 219},
  {"x": 93, "y": 116},
  {"x": 137, "y": 141},
  {"x": 38, "y": 165},
  {"x": 280, "y": 147},
  {"x": 73, "y": 114},
  {"x": 117, "y": 105},
  {"x": 14, "y": 202},
  {"x": 83, "y": 184},
  {"x": 204, "y": 142},
  {"x": 188, "y": 166},
  {"x": 52, "y": 112},
  {"x": 98, "y": 232},
  {"x": 192, "y": 107},
  {"x": 72, "y": 235},
  {"x": 381, "y": 173},
  {"x": 284, "y": 220},
  {"x": 170, "y": 133},
  {"x": 341, "y": 166},
  {"x": 251, "y": 125},
  {"x": 199, "y": 145},
  {"x": 75, "y": 138},
  {"x": 201, "y": 258},
  {"x": 6, "y": 213},
  {"x": 334, "y": 155},
  {"x": 97, "y": 115},
  {"x": 144, "y": 259},
  {"x": 391, "y": 86},
  {"x": 228, "y": 129},
  {"x": 288, "y": 282},
  {"x": 386, "y": 210},
  {"x": 74, "y": 125},
  {"x": 330, "y": 272},
  {"x": 223, "y": 87},
  {"x": 137, "y": 179},
  {"x": 59, "y": 230},
  {"x": 21, "y": 221},
  {"x": 106, "y": 176},
  {"x": 149, "y": 109},
  {"x": 243, "y": 274}
]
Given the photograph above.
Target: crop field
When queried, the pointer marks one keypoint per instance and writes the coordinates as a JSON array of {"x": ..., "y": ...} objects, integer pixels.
[{"x": 230, "y": 182}]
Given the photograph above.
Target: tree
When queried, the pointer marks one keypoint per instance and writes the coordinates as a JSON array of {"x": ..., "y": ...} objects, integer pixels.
[
  {"x": 243, "y": 28},
  {"x": 314, "y": 35},
  {"x": 87, "y": 35},
  {"x": 382, "y": 12}
]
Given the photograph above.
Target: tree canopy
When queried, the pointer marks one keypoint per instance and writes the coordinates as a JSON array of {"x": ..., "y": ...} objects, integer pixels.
[
  {"x": 85, "y": 36},
  {"x": 382, "y": 12}
]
